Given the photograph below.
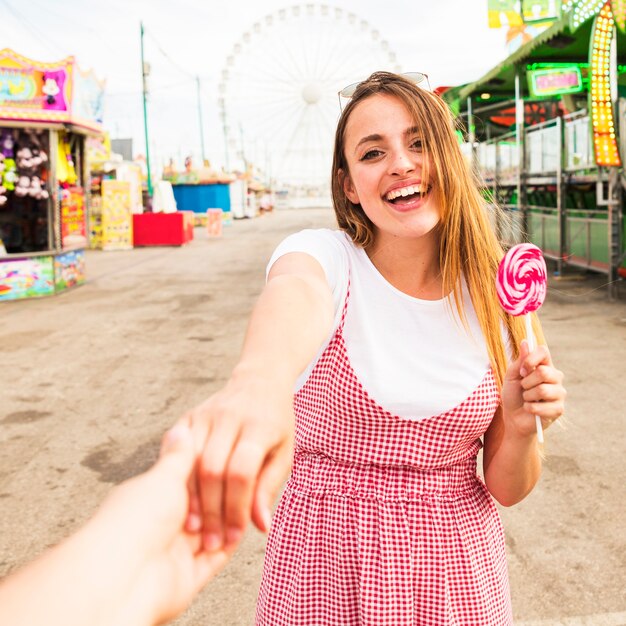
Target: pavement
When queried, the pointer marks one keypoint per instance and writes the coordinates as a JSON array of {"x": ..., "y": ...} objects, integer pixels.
[{"x": 94, "y": 376}]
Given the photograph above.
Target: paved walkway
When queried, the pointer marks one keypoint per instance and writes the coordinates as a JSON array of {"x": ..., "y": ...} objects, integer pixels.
[{"x": 93, "y": 377}]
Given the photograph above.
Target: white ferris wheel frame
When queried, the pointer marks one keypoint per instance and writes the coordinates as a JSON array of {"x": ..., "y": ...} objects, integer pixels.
[{"x": 311, "y": 86}]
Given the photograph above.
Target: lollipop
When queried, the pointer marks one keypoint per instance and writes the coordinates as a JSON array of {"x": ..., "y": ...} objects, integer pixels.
[{"x": 521, "y": 288}]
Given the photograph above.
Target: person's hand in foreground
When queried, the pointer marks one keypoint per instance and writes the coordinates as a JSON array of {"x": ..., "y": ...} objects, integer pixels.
[{"x": 131, "y": 564}]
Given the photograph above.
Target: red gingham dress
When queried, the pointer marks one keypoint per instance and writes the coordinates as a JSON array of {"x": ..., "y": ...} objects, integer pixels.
[{"x": 384, "y": 520}]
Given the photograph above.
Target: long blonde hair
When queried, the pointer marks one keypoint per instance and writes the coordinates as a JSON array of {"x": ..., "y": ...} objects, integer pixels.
[{"x": 468, "y": 245}]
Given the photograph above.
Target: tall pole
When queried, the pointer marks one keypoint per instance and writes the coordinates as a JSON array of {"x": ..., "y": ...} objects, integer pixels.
[
  {"x": 144, "y": 75},
  {"x": 521, "y": 166},
  {"x": 200, "y": 120}
]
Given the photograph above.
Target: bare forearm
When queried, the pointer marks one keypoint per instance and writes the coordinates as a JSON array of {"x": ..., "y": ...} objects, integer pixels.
[
  {"x": 78, "y": 582},
  {"x": 514, "y": 469},
  {"x": 290, "y": 321}
]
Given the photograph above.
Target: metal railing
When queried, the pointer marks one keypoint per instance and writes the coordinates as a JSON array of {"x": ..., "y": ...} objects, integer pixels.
[
  {"x": 498, "y": 158},
  {"x": 578, "y": 146}
]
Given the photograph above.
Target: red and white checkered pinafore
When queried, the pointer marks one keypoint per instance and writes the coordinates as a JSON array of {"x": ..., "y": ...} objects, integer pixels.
[{"x": 384, "y": 520}]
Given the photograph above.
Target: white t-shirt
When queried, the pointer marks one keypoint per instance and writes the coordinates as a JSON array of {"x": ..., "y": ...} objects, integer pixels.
[{"x": 413, "y": 357}]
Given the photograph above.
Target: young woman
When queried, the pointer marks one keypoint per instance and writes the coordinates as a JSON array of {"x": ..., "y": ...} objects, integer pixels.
[{"x": 390, "y": 332}]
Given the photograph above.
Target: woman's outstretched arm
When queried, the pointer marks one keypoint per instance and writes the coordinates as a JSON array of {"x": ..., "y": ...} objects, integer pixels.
[{"x": 245, "y": 431}]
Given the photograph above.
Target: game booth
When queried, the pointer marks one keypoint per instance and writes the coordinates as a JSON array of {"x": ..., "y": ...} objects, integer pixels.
[
  {"x": 47, "y": 111},
  {"x": 201, "y": 192},
  {"x": 115, "y": 194},
  {"x": 546, "y": 130}
]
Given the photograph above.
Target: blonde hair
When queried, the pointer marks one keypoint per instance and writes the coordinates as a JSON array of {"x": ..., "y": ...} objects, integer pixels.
[{"x": 468, "y": 245}]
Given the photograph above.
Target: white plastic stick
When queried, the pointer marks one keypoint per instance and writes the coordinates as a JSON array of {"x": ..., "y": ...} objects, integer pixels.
[{"x": 530, "y": 338}]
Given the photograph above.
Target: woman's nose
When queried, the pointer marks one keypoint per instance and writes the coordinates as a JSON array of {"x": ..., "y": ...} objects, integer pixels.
[{"x": 402, "y": 162}]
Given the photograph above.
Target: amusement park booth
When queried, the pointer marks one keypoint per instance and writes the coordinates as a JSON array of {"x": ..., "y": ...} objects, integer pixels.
[
  {"x": 46, "y": 112},
  {"x": 199, "y": 189},
  {"x": 546, "y": 129}
]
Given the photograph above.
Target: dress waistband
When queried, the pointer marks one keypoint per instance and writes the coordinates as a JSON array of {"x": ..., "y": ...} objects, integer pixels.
[{"x": 318, "y": 474}]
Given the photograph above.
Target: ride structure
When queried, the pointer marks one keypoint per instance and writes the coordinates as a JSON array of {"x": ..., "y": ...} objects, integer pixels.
[
  {"x": 278, "y": 91},
  {"x": 546, "y": 130}
]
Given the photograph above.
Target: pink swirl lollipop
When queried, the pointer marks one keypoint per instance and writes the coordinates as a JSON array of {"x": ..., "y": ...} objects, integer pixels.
[
  {"x": 521, "y": 280},
  {"x": 521, "y": 287}
]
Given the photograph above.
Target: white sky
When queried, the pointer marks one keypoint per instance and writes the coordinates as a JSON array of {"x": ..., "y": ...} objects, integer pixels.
[{"x": 448, "y": 39}]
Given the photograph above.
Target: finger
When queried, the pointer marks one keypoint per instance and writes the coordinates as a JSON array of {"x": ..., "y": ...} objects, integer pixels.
[
  {"x": 177, "y": 454},
  {"x": 543, "y": 374},
  {"x": 539, "y": 356},
  {"x": 211, "y": 474},
  {"x": 549, "y": 411},
  {"x": 206, "y": 566},
  {"x": 544, "y": 393},
  {"x": 199, "y": 426},
  {"x": 271, "y": 480},
  {"x": 241, "y": 478},
  {"x": 194, "y": 517}
]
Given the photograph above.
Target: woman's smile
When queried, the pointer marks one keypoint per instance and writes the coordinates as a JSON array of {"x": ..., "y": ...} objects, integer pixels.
[
  {"x": 407, "y": 196},
  {"x": 389, "y": 171}
]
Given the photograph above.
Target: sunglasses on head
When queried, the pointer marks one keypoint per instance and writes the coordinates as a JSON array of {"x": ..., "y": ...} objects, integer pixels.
[{"x": 419, "y": 78}]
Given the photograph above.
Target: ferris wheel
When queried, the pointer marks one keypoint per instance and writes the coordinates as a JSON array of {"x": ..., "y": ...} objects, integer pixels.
[{"x": 278, "y": 90}]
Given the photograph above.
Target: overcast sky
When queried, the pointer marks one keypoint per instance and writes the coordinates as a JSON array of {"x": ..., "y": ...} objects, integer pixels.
[{"x": 448, "y": 39}]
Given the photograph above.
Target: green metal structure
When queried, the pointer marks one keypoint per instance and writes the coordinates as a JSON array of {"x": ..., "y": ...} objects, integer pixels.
[{"x": 535, "y": 153}]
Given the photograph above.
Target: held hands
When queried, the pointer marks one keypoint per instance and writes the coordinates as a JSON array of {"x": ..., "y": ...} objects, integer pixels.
[
  {"x": 532, "y": 386},
  {"x": 165, "y": 565},
  {"x": 132, "y": 563},
  {"x": 244, "y": 444}
]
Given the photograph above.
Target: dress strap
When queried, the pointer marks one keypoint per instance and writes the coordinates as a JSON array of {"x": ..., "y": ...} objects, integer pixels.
[{"x": 345, "y": 307}]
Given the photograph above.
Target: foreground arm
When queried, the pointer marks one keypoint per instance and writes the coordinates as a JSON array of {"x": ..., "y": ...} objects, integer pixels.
[
  {"x": 245, "y": 431},
  {"x": 131, "y": 564},
  {"x": 512, "y": 455}
]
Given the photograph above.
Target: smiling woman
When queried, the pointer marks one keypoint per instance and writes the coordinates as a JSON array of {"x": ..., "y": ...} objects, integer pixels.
[
  {"x": 388, "y": 343},
  {"x": 387, "y": 174}
]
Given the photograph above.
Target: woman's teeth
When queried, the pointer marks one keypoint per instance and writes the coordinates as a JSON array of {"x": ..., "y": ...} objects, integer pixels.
[{"x": 406, "y": 191}]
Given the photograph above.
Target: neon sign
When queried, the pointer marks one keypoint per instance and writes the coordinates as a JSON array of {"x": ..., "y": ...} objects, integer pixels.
[{"x": 555, "y": 81}]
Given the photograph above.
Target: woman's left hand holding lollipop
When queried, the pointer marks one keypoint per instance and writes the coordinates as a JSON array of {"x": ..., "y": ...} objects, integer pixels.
[{"x": 532, "y": 385}]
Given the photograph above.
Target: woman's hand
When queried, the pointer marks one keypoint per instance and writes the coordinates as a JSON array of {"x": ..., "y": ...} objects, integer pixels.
[
  {"x": 244, "y": 441},
  {"x": 512, "y": 458},
  {"x": 244, "y": 433},
  {"x": 532, "y": 386}
]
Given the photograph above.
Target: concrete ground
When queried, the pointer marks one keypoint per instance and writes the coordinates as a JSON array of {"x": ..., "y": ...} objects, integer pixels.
[{"x": 93, "y": 377}]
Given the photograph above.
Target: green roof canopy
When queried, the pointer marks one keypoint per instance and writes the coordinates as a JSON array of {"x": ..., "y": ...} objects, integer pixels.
[{"x": 557, "y": 44}]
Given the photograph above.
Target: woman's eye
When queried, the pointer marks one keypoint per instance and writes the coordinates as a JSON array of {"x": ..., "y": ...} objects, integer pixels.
[
  {"x": 371, "y": 154},
  {"x": 417, "y": 144}
]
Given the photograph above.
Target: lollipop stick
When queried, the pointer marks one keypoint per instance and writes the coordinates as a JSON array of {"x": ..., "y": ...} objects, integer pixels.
[{"x": 530, "y": 338}]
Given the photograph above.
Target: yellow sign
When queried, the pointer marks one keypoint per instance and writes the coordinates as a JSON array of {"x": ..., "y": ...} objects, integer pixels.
[
  {"x": 503, "y": 13},
  {"x": 117, "y": 215}
]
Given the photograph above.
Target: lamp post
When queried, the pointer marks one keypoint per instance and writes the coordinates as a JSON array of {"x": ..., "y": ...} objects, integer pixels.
[{"x": 145, "y": 71}]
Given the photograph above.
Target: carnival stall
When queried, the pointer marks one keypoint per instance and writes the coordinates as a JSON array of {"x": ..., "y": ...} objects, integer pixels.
[
  {"x": 200, "y": 189},
  {"x": 116, "y": 194},
  {"x": 46, "y": 112},
  {"x": 546, "y": 129}
]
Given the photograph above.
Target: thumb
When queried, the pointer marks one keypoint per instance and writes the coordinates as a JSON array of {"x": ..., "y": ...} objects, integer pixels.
[
  {"x": 270, "y": 480},
  {"x": 177, "y": 453}
]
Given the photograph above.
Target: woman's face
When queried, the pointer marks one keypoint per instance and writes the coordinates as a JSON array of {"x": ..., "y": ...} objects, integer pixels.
[{"x": 385, "y": 160}]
